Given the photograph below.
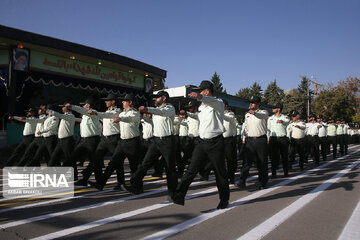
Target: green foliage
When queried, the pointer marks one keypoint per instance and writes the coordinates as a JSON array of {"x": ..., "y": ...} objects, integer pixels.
[
  {"x": 273, "y": 94},
  {"x": 218, "y": 87},
  {"x": 356, "y": 118},
  {"x": 244, "y": 93},
  {"x": 334, "y": 103}
]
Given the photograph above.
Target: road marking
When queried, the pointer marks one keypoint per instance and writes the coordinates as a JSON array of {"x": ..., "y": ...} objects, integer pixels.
[
  {"x": 82, "y": 189},
  {"x": 352, "y": 230},
  {"x": 203, "y": 217},
  {"x": 83, "y": 208},
  {"x": 270, "y": 224},
  {"x": 100, "y": 222}
]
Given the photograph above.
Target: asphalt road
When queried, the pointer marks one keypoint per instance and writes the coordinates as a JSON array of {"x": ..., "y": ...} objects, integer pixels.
[{"x": 318, "y": 203}]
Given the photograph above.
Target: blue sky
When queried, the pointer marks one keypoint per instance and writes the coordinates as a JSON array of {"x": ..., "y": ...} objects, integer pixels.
[{"x": 243, "y": 41}]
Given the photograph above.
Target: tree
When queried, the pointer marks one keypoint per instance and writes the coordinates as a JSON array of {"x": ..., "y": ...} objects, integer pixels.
[
  {"x": 356, "y": 118},
  {"x": 244, "y": 93},
  {"x": 218, "y": 87},
  {"x": 334, "y": 103},
  {"x": 352, "y": 87},
  {"x": 304, "y": 94},
  {"x": 255, "y": 90},
  {"x": 273, "y": 94}
]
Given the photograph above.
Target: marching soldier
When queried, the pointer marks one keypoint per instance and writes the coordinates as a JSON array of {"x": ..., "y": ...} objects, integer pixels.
[
  {"x": 240, "y": 147},
  {"x": 278, "y": 141},
  {"x": 346, "y": 136},
  {"x": 110, "y": 133},
  {"x": 90, "y": 138},
  {"x": 312, "y": 131},
  {"x": 162, "y": 145},
  {"x": 229, "y": 135},
  {"x": 296, "y": 133},
  {"x": 66, "y": 142},
  {"x": 38, "y": 140},
  {"x": 28, "y": 134},
  {"x": 128, "y": 145},
  {"x": 322, "y": 137},
  {"x": 210, "y": 146},
  {"x": 256, "y": 143},
  {"x": 340, "y": 136},
  {"x": 49, "y": 142},
  {"x": 331, "y": 135},
  {"x": 184, "y": 143}
]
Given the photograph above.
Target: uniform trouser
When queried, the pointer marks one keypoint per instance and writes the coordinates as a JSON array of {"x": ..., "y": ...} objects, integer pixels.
[
  {"x": 64, "y": 146},
  {"x": 256, "y": 151},
  {"x": 213, "y": 150},
  {"x": 230, "y": 156},
  {"x": 340, "y": 141},
  {"x": 86, "y": 148},
  {"x": 45, "y": 149},
  {"x": 323, "y": 144},
  {"x": 186, "y": 148},
  {"x": 240, "y": 147},
  {"x": 346, "y": 143},
  {"x": 107, "y": 145},
  {"x": 160, "y": 165},
  {"x": 297, "y": 146},
  {"x": 160, "y": 146},
  {"x": 30, "y": 151},
  {"x": 279, "y": 146},
  {"x": 126, "y": 148},
  {"x": 314, "y": 147},
  {"x": 20, "y": 150},
  {"x": 332, "y": 140}
]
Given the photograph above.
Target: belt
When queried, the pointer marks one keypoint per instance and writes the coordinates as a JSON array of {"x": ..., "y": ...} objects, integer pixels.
[
  {"x": 90, "y": 137},
  {"x": 111, "y": 136},
  {"x": 164, "y": 137},
  {"x": 148, "y": 139},
  {"x": 130, "y": 139},
  {"x": 277, "y": 137},
  {"x": 211, "y": 139},
  {"x": 64, "y": 138},
  {"x": 52, "y": 136},
  {"x": 262, "y": 136},
  {"x": 30, "y": 135}
]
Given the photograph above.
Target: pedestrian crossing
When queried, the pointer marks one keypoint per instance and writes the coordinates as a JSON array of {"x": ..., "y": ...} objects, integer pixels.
[{"x": 112, "y": 214}]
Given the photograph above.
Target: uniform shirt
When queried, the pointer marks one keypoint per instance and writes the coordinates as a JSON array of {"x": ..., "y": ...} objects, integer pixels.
[
  {"x": 322, "y": 131},
  {"x": 109, "y": 126},
  {"x": 331, "y": 130},
  {"x": 277, "y": 129},
  {"x": 40, "y": 125},
  {"x": 183, "y": 130},
  {"x": 163, "y": 119},
  {"x": 340, "y": 129},
  {"x": 129, "y": 124},
  {"x": 147, "y": 126},
  {"x": 255, "y": 124},
  {"x": 239, "y": 130},
  {"x": 177, "y": 121},
  {"x": 90, "y": 125},
  {"x": 294, "y": 132},
  {"x": 193, "y": 124},
  {"x": 67, "y": 123},
  {"x": 230, "y": 124},
  {"x": 30, "y": 125},
  {"x": 346, "y": 129},
  {"x": 211, "y": 117},
  {"x": 312, "y": 128},
  {"x": 50, "y": 126},
  {"x": 352, "y": 132}
]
